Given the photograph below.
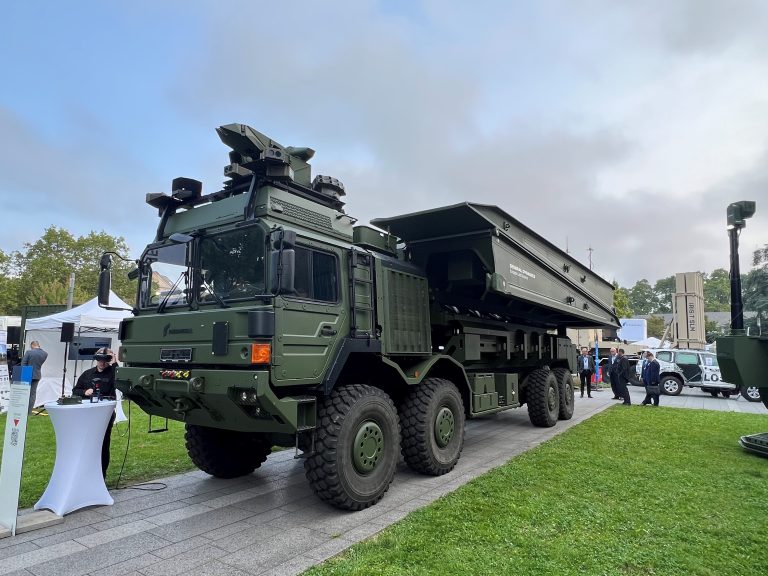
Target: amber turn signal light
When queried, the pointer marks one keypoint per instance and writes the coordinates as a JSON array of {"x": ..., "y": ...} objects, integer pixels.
[{"x": 261, "y": 353}]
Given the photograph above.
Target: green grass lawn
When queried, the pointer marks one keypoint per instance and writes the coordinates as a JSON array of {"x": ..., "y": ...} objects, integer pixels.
[
  {"x": 630, "y": 491},
  {"x": 150, "y": 456}
]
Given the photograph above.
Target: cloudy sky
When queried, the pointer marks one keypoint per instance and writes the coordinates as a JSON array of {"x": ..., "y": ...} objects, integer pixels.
[{"x": 627, "y": 127}]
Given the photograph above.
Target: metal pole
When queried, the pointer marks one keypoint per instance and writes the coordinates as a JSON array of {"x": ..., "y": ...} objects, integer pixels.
[
  {"x": 737, "y": 308},
  {"x": 71, "y": 291}
]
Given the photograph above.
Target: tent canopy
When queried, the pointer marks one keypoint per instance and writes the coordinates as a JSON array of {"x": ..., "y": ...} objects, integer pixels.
[{"x": 86, "y": 316}]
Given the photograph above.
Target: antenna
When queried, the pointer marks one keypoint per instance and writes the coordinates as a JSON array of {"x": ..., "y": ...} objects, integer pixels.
[{"x": 590, "y": 250}]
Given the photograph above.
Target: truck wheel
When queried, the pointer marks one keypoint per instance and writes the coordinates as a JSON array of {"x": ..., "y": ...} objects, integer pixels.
[
  {"x": 543, "y": 398},
  {"x": 752, "y": 393},
  {"x": 565, "y": 382},
  {"x": 356, "y": 448},
  {"x": 432, "y": 424},
  {"x": 671, "y": 385},
  {"x": 225, "y": 453}
]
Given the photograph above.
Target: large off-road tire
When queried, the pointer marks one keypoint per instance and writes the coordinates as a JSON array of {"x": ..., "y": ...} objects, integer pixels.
[
  {"x": 671, "y": 385},
  {"x": 543, "y": 398},
  {"x": 432, "y": 426},
  {"x": 225, "y": 453},
  {"x": 565, "y": 382},
  {"x": 356, "y": 448},
  {"x": 751, "y": 393}
]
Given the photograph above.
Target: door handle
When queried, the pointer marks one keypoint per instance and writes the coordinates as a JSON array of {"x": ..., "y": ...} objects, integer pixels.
[{"x": 327, "y": 331}]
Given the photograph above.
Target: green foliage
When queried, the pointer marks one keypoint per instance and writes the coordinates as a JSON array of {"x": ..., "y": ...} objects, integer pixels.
[
  {"x": 150, "y": 455},
  {"x": 656, "y": 326},
  {"x": 40, "y": 273},
  {"x": 664, "y": 290},
  {"x": 717, "y": 291},
  {"x": 630, "y": 491},
  {"x": 712, "y": 329},
  {"x": 621, "y": 301},
  {"x": 754, "y": 286},
  {"x": 642, "y": 299}
]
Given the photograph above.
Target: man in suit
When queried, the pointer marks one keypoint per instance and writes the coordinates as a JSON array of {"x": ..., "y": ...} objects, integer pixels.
[
  {"x": 613, "y": 373},
  {"x": 34, "y": 357},
  {"x": 623, "y": 377},
  {"x": 651, "y": 371},
  {"x": 585, "y": 365}
]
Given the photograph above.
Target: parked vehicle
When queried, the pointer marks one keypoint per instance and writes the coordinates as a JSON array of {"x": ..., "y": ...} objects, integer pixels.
[
  {"x": 265, "y": 316},
  {"x": 695, "y": 369}
]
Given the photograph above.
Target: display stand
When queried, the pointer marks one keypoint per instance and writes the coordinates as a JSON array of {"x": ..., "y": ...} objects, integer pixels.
[{"x": 76, "y": 481}]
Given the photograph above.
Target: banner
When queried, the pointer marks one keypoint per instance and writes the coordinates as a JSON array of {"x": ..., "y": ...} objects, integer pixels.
[
  {"x": 5, "y": 381},
  {"x": 13, "y": 447}
]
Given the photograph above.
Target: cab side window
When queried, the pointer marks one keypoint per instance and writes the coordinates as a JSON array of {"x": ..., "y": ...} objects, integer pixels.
[
  {"x": 664, "y": 356},
  {"x": 316, "y": 275}
]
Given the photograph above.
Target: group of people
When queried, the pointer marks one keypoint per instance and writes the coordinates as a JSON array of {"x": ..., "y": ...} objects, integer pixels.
[
  {"x": 619, "y": 374},
  {"x": 98, "y": 381}
]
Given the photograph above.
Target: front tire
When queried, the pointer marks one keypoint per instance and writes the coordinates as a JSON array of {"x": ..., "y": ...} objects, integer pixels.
[
  {"x": 565, "y": 383},
  {"x": 356, "y": 448},
  {"x": 225, "y": 453},
  {"x": 671, "y": 385},
  {"x": 432, "y": 424},
  {"x": 543, "y": 398},
  {"x": 752, "y": 393}
]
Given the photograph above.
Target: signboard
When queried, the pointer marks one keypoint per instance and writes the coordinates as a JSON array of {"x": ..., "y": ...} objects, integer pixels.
[{"x": 13, "y": 447}]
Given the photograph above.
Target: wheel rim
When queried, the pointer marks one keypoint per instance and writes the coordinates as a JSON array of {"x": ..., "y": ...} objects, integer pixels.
[
  {"x": 369, "y": 444},
  {"x": 444, "y": 426},
  {"x": 552, "y": 400},
  {"x": 753, "y": 392},
  {"x": 671, "y": 386}
]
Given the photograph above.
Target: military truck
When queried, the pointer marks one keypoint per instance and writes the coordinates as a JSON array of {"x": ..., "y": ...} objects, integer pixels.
[{"x": 266, "y": 316}]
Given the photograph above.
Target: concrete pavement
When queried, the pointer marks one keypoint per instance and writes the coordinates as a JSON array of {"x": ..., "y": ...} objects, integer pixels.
[{"x": 270, "y": 522}]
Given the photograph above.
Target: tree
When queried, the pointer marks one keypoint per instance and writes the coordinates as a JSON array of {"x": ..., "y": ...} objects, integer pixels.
[
  {"x": 755, "y": 290},
  {"x": 642, "y": 299},
  {"x": 43, "y": 267},
  {"x": 9, "y": 293},
  {"x": 656, "y": 326},
  {"x": 717, "y": 291},
  {"x": 712, "y": 329},
  {"x": 664, "y": 290},
  {"x": 621, "y": 301}
]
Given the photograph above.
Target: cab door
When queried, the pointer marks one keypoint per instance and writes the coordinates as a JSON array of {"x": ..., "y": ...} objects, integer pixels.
[
  {"x": 311, "y": 321},
  {"x": 690, "y": 366}
]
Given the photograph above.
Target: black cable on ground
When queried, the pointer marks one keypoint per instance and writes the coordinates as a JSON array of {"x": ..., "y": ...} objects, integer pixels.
[{"x": 147, "y": 486}]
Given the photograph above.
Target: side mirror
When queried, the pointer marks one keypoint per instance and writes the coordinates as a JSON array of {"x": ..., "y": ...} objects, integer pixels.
[
  {"x": 283, "y": 271},
  {"x": 105, "y": 279},
  {"x": 285, "y": 239}
]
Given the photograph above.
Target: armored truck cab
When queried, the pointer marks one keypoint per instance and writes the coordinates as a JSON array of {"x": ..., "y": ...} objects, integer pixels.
[{"x": 265, "y": 316}]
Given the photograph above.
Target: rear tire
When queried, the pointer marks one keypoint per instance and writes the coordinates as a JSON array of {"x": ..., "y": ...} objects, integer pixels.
[
  {"x": 225, "y": 453},
  {"x": 565, "y": 383},
  {"x": 671, "y": 385},
  {"x": 752, "y": 393},
  {"x": 432, "y": 425},
  {"x": 356, "y": 448},
  {"x": 543, "y": 398}
]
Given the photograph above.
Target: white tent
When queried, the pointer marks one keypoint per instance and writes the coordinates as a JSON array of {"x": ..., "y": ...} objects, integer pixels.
[{"x": 94, "y": 327}]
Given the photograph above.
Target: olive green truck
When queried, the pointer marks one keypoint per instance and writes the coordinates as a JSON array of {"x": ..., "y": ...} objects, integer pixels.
[{"x": 266, "y": 317}]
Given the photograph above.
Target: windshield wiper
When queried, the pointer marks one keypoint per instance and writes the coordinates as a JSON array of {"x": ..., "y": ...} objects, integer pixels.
[
  {"x": 212, "y": 290},
  {"x": 164, "y": 301}
]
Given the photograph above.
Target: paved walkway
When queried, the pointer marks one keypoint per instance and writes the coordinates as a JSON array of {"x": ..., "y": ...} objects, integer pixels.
[{"x": 269, "y": 522}]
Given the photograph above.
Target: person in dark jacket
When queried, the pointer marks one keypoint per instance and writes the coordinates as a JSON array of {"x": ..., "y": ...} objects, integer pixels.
[
  {"x": 613, "y": 373},
  {"x": 34, "y": 357},
  {"x": 585, "y": 366},
  {"x": 99, "y": 381},
  {"x": 651, "y": 370},
  {"x": 623, "y": 377}
]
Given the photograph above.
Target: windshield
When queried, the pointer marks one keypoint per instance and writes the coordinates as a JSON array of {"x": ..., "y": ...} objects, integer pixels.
[
  {"x": 165, "y": 276},
  {"x": 232, "y": 265}
]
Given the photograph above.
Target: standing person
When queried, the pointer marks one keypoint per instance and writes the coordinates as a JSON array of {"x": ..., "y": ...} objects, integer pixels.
[
  {"x": 613, "y": 374},
  {"x": 585, "y": 364},
  {"x": 34, "y": 357},
  {"x": 623, "y": 377},
  {"x": 651, "y": 369},
  {"x": 100, "y": 380}
]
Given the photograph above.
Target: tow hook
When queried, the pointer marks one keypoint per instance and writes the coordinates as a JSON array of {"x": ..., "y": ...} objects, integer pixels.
[{"x": 181, "y": 406}]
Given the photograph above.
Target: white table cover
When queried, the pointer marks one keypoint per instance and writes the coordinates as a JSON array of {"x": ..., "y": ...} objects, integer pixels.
[{"x": 76, "y": 481}]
